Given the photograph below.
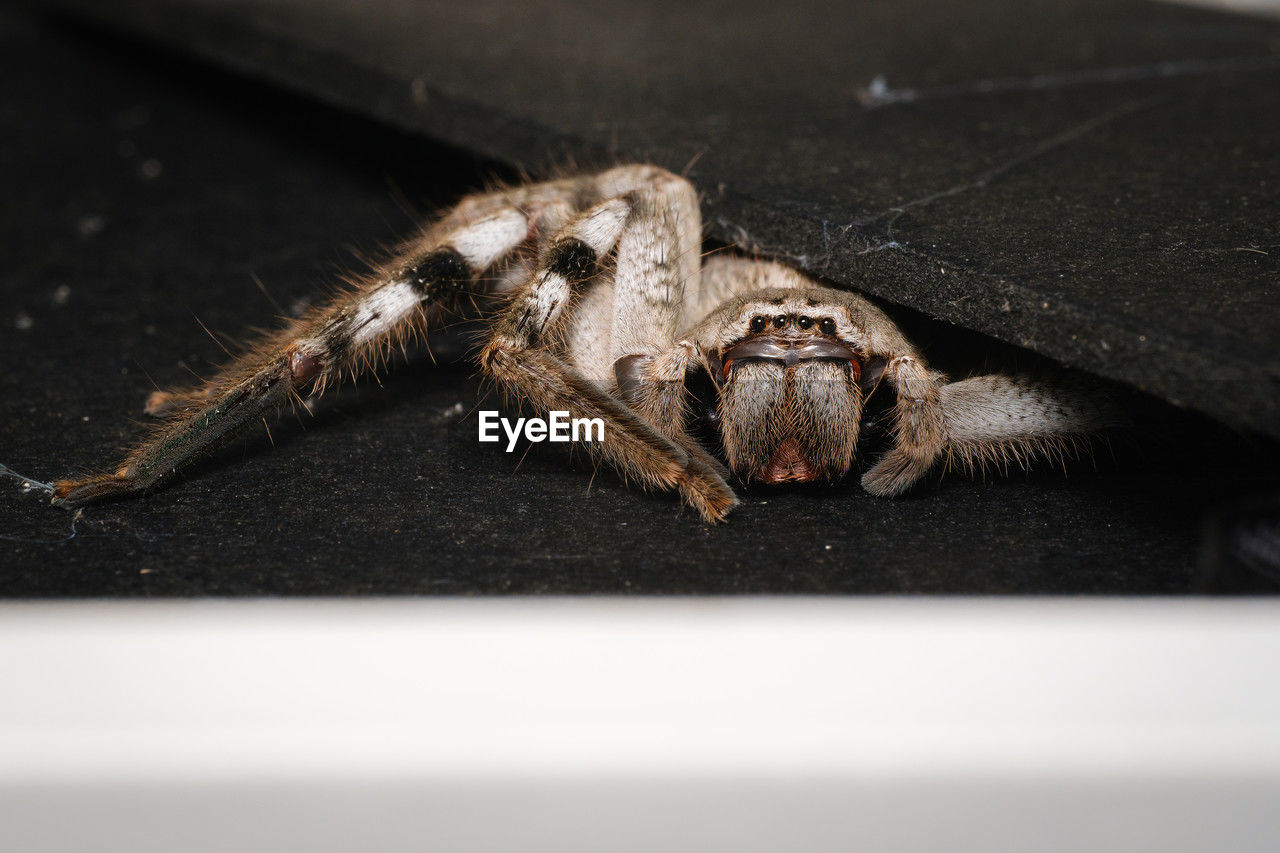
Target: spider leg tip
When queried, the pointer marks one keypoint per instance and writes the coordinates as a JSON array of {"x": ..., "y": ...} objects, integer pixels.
[{"x": 73, "y": 494}]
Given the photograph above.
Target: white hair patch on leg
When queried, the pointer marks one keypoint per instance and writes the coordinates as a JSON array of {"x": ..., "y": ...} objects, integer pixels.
[
  {"x": 600, "y": 228},
  {"x": 382, "y": 309},
  {"x": 489, "y": 239}
]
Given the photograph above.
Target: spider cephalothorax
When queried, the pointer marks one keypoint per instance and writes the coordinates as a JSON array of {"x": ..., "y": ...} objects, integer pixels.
[
  {"x": 608, "y": 313},
  {"x": 790, "y": 390}
]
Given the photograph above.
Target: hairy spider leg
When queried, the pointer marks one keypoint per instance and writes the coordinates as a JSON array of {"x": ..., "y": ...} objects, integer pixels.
[
  {"x": 657, "y": 286},
  {"x": 345, "y": 336},
  {"x": 517, "y": 359},
  {"x": 919, "y": 431},
  {"x": 654, "y": 386},
  {"x": 994, "y": 420},
  {"x": 982, "y": 421}
]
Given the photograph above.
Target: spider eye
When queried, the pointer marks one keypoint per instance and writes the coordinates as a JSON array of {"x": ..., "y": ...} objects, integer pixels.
[
  {"x": 827, "y": 326},
  {"x": 780, "y": 321},
  {"x": 757, "y": 324},
  {"x": 804, "y": 322}
]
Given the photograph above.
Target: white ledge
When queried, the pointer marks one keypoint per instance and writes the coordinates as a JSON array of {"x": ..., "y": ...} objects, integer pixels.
[{"x": 851, "y": 717}]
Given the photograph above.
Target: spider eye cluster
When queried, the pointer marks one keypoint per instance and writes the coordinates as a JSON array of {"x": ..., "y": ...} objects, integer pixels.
[{"x": 826, "y": 325}]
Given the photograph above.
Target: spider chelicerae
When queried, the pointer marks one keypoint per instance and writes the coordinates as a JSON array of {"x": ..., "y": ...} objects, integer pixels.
[{"x": 606, "y": 309}]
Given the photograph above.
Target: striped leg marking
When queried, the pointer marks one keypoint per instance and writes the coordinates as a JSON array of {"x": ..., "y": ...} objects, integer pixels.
[
  {"x": 346, "y": 336},
  {"x": 515, "y": 361}
]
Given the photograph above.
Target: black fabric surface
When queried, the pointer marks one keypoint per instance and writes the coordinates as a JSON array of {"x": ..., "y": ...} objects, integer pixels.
[
  {"x": 1094, "y": 180},
  {"x": 142, "y": 193}
]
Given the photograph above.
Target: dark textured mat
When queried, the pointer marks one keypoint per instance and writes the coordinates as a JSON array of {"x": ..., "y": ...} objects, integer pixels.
[
  {"x": 1095, "y": 181},
  {"x": 141, "y": 193}
]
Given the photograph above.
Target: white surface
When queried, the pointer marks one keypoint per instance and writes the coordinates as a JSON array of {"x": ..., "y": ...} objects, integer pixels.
[
  {"x": 636, "y": 725},
  {"x": 1257, "y": 7}
]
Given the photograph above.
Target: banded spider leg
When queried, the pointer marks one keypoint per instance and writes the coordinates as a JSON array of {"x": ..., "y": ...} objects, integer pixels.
[
  {"x": 626, "y": 208},
  {"x": 657, "y": 240},
  {"x": 345, "y": 336}
]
